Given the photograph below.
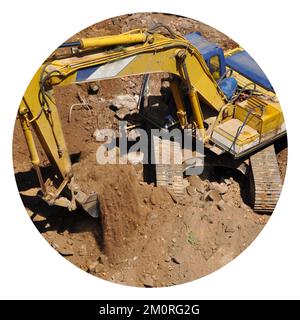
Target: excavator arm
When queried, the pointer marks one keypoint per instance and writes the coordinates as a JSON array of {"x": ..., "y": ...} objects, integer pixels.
[{"x": 134, "y": 53}]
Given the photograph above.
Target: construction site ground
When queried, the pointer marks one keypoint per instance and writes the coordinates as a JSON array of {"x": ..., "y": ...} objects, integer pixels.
[{"x": 147, "y": 236}]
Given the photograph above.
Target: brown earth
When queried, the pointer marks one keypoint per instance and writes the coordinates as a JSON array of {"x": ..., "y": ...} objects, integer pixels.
[{"x": 147, "y": 236}]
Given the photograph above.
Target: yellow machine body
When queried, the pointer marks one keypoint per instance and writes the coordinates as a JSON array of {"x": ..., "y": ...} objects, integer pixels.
[{"x": 135, "y": 53}]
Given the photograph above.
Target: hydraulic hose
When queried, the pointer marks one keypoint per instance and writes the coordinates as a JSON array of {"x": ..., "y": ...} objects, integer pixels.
[{"x": 70, "y": 44}]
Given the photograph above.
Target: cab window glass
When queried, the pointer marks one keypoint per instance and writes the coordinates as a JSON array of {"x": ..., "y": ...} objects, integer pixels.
[{"x": 214, "y": 66}]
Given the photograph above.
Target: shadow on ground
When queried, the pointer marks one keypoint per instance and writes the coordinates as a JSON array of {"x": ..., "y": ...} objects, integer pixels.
[{"x": 53, "y": 218}]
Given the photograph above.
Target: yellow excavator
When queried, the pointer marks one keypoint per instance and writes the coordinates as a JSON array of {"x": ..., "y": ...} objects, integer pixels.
[{"x": 224, "y": 95}]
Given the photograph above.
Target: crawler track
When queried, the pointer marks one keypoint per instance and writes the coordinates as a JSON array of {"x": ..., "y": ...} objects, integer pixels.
[
  {"x": 266, "y": 181},
  {"x": 169, "y": 175}
]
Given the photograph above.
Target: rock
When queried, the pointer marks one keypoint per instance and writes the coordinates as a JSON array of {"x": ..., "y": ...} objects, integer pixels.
[
  {"x": 148, "y": 281},
  {"x": 201, "y": 205},
  {"x": 191, "y": 191},
  {"x": 167, "y": 259},
  {"x": 37, "y": 217},
  {"x": 157, "y": 196},
  {"x": 30, "y": 213},
  {"x": 185, "y": 183},
  {"x": 131, "y": 84},
  {"x": 83, "y": 250},
  {"x": 201, "y": 189},
  {"x": 125, "y": 101},
  {"x": 208, "y": 185},
  {"x": 122, "y": 113},
  {"x": 227, "y": 182},
  {"x": 92, "y": 266},
  {"x": 102, "y": 258},
  {"x": 213, "y": 195},
  {"x": 153, "y": 199},
  {"x": 193, "y": 166},
  {"x": 152, "y": 215},
  {"x": 93, "y": 88},
  {"x": 63, "y": 250},
  {"x": 66, "y": 252},
  {"x": 55, "y": 245},
  {"x": 229, "y": 229},
  {"x": 50, "y": 233},
  {"x": 221, "y": 205},
  {"x": 102, "y": 135},
  {"x": 99, "y": 268},
  {"x": 221, "y": 188},
  {"x": 133, "y": 135},
  {"x": 213, "y": 185},
  {"x": 177, "y": 259},
  {"x": 194, "y": 181},
  {"x": 173, "y": 196}
]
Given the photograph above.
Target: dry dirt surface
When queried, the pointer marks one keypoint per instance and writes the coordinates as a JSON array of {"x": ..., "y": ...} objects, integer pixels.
[{"x": 146, "y": 236}]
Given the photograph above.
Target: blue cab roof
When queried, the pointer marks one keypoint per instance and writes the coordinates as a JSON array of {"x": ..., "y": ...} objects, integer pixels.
[
  {"x": 204, "y": 46},
  {"x": 244, "y": 64},
  {"x": 241, "y": 61}
]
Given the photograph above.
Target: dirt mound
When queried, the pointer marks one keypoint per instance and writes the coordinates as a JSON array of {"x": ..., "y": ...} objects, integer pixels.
[
  {"x": 121, "y": 213},
  {"x": 121, "y": 209},
  {"x": 150, "y": 238}
]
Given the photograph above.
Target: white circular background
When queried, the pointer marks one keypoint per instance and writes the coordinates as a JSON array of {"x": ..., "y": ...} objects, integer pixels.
[{"x": 30, "y": 268}]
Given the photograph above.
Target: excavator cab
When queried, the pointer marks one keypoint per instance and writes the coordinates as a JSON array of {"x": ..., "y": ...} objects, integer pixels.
[
  {"x": 215, "y": 61},
  {"x": 212, "y": 54}
]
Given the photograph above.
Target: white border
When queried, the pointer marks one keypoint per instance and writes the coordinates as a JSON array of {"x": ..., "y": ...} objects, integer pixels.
[{"x": 29, "y": 268}]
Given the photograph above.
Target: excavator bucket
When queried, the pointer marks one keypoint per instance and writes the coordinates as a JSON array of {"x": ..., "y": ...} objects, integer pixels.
[{"x": 89, "y": 203}]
